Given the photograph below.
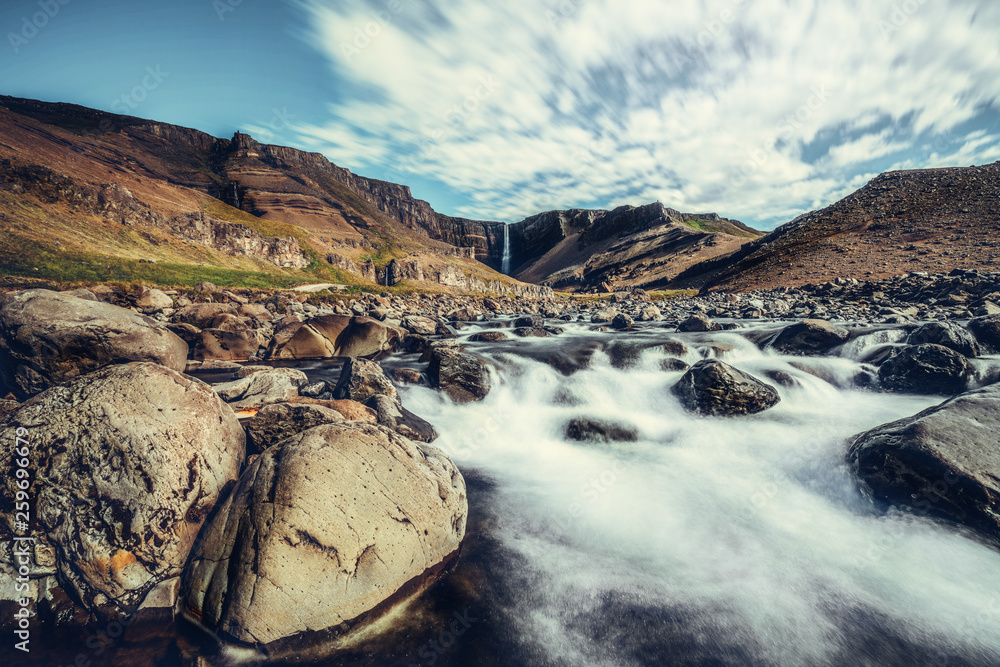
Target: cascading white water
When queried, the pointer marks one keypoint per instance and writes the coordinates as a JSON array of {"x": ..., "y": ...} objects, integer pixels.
[
  {"x": 505, "y": 261},
  {"x": 711, "y": 540}
]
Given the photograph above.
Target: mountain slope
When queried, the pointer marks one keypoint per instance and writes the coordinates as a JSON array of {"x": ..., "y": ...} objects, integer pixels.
[{"x": 902, "y": 221}]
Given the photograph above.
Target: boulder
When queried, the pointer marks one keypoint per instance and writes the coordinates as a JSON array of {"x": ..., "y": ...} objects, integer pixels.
[
  {"x": 603, "y": 316},
  {"x": 334, "y": 336},
  {"x": 925, "y": 369},
  {"x": 361, "y": 379},
  {"x": 584, "y": 429},
  {"x": 352, "y": 410},
  {"x": 48, "y": 338},
  {"x": 298, "y": 378},
  {"x": 531, "y": 332},
  {"x": 529, "y": 321},
  {"x": 622, "y": 322},
  {"x": 223, "y": 345},
  {"x": 713, "y": 387},
  {"x": 203, "y": 315},
  {"x": 391, "y": 414},
  {"x": 943, "y": 462},
  {"x": 129, "y": 461},
  {"x": 810, "y": 337},
  {"x": 278, "y": 421},
  {"x": 423, "y": 326},
  {"x": 698, "y": 322},
  {"x": 948, "y": 334},
  {"x": 461, "y": 376},
  {"x": 257, "y": 390},
  {"x": 322, "y": 533},
  {"x": 488, "y": 337},
  {"x": 153, "y": 300},
  {"x": 987, "y": 331}
]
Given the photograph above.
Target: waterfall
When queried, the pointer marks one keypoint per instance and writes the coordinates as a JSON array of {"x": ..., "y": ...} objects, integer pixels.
[{"x": 505, "y": 262}]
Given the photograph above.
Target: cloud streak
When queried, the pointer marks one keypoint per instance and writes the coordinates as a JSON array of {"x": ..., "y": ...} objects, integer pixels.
[{"x": 759, "y": 109}]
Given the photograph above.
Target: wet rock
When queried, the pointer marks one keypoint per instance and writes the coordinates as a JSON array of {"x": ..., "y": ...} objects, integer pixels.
[
  {"x": 948, "y": 334},
  {"x": 531, "y": 332},
  {"x": 393, "y": 415},
  {"x": 529, "y": 321},
  {"x": 48, "y": 338},
  {"x": 673, "y": 365},
  {"x": 584, "y": 429},
  {"x": 129, "y": 461},
  {"x": 407, "y": 376},
  {"x": 461, "y": 376},
  {"x": 698, "y": 322},
  {"x": 603, "y": 316},
  {"x": 622, "y": 322},
  {"x": 361, "y": 379},
  {"x": 488, "y": 337},
  {"x": 810, "y": 337},
  {"x": 319, "y": 532},
  {"x": 278, "y": 421},
  {"x": 987, "y": 331},
  {"x": 925, "y": 369},
  {"x": 334, "y": 336},
  {"x": 257, "y": 390},
  {"x": 712, "y": 387},
  {"x": 942, "y": 462}
]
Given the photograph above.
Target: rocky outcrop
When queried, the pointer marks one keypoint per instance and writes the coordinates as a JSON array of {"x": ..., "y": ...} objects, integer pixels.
[
  {"x": 713, "y": 387},
  {"x": 943, "y": 462},
  {"x": 949, "y": 334},
  {"x": 238, "y": 240},
  {"x": 130, "y": 460},
  {"x": 48, "y": 338},
  {"x": 324, "y": 531}
]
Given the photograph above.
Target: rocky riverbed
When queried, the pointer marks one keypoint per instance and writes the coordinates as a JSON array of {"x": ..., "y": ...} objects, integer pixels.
[{"x": 289, "y": 472}]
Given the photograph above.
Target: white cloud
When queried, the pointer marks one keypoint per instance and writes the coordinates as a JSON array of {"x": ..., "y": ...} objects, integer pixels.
[{"x": 706, "y": 106}]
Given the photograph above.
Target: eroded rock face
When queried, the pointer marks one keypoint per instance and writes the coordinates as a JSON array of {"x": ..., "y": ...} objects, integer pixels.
[
  {"x": 810, "y": 337},
  {"x": 713, "y": 387},
  {"x": 275, "y": 422},
  {"x": 461, "y": 376},
  {"x": 48, "y": 338},
  {"x": 334, "y": 336},
  {"x": 944, "y": 461},
  {"x": 925, "y": 369},
  {"x": 322, "y": 529},
  {"x": 130, "y": 460}
]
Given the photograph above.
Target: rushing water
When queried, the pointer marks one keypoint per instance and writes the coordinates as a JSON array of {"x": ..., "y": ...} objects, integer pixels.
[{"x": 710, "y": 540}]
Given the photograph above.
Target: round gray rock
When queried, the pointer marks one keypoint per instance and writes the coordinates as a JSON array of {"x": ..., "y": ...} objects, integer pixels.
[{"x": 713, "y": 387}]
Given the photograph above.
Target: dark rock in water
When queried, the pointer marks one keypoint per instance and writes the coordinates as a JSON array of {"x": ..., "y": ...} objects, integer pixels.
[
  {"x": 948, "y": 334},
  {"x": 128, "y": 461},
  {"x": 622, "y": 321},
  {"x": 675, "y": 348},
  {"x": 393, "y": 415},
  {"x": 584, "y": 429},
  {"x": 407, "y": 376},
  {"x": 278, "y": 421},
  {"x": 925, "y": 369},
  {"x": 713, "y": 387},
  {"x": 781, "y": 378},
  {"x": 325, "y": 532},
  {"x": 461, "y": 376},
  {"x": 987, "y": 331},
  {"x": 674, "y": 365},
  {"x": 48, "y": 338},
  {"x": 488, "y": 337},
  {"x": 361, "y": 379},
  {"x": 810, "y": 337},
  {"x": 555, "y": 331},
  {"x": 531, "y": 332},
  {"x": 942, "y": 462},
  {"x": 528, "y": 322},
  {"x": 698, "y": 322}
]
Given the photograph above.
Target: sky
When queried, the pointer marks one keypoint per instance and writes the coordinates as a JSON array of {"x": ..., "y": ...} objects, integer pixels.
[{"x": 759, "y": 110}]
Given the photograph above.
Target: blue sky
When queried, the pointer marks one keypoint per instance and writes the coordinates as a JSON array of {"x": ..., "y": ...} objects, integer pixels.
[{"x": 757, "y": 109}]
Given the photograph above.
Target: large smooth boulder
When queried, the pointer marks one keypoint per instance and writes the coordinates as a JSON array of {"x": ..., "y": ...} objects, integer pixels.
[
  {"x": 48, "y": 338},
  {"x": 153, "y": 300},
  {"x": 321, "y": 530},
  {"x": 360, "y": 379},
  {"x": 810, "y": 337},
  {"x": 129, "y": 461},
  {"x": 203, "y": 315},
  {"x": 698, "y": 322},
  {"x": 986, "y": 329},
  {"x": 942, "y": 462},
  {"x": 461, "y": 376},
  {"x": 229, "y": 345},
  {"x": 257, "y": 390},
  {"x": 713, "y": 387},
  {"x": 925, "y": 369},
  {"x": 948, "y": 334},
  {"x": 334, "y": 336},
  {"x": 424, "y": 326},
  {"x": 278, "y": 421},
  {"x": 391, "y": 414}
]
